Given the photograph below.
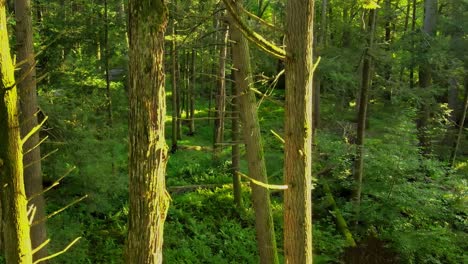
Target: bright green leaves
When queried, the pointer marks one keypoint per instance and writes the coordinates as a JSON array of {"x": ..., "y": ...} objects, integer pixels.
[{"x": 370, "y": 4}]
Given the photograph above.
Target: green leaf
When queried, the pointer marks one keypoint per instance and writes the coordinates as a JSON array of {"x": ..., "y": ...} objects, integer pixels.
[{"x": 370, "y": 4}]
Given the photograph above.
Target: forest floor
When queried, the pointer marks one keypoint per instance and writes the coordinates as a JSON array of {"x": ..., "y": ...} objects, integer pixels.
[{"x": 412, "y": 212}]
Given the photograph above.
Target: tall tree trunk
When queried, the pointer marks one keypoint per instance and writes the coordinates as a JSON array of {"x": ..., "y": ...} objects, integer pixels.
[
  {"x": 235, "y": 151},
  {"x": 175, "y": 106},
  {"x": 106, "y": 64},
  {"x": 322, "y": 39},
  {"x": 298, "y": 132},
  {"x": 28, "y": 109},
  {"x": 413, "y": 28},
  {"x": 149, "y": 200},
  {"x": 362, "y": 113},
  {"x": 461, "y": 127},
  {"x": 192, "y": 94},
  {"x": 220, "y": 107},
  {"x": 425, "y": 77},
  {"x": 16, "y": 232},
  {"x": 266, "y": 241}
]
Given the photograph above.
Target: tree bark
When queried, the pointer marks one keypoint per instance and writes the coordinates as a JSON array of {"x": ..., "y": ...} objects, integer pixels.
[
  {"x": 298, "y": 132},
  {"x": 235, "y": 151},
  {"x": 425, "y": 77},
  {"x": 175, "y": 106},
  {"x": 362, "y": 113},
  {"x": 28, "y": 108},
  {"x": 16, "y": 233},
  {"x": 264, "y": 227},
  {"x": 192, "y": 94},
  {"x": 220, "y": 107},
  {"x": 149, "y": 200},
  {"x": 461, "y": 126}
]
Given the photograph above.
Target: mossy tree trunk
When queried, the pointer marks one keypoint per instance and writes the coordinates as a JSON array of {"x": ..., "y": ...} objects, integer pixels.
[
  {"x": 12, "y": 195},
  {"x": 149, "y": 200},
  {"x": 264, "y": 227},
  {"x": 28, "y": 104},
  {"x": 298, "y": 132}
]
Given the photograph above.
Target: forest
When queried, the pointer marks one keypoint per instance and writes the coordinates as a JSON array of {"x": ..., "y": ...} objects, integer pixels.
[{"x": 233, "y": 131}]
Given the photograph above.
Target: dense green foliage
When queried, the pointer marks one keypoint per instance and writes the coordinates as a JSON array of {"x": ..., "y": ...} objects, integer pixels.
[{"x": 414, "y": 205}]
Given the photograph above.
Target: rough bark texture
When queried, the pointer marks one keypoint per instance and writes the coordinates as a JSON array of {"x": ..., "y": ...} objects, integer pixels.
[
  {"x": 425, "y": 76},
  {"x": 298, "y": 132},
  {"x": 28, "y": 109},
  {"x": 362, "y": 113},
  {"x": 264, "y": 227},
  {"x": 220, "y": 107},
  {"x": 12, "y": 194},
  {"x": 149, "y": 200}
]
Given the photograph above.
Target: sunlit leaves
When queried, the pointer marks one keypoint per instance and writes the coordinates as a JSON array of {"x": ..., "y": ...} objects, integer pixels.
[{"x": 370, "y": 4}]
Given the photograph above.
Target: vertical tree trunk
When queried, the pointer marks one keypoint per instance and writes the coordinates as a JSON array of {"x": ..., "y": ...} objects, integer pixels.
[
  {"x": 175, "y": 106},
  {"x": 264, "y": 227},
  {"x": 149, "y": 200},
  {"x": 28, "y": 104},
  {"x": 425, "y": 77},
  {"x": 235, "y": 151},
  {"x": 13, "y": 195},
  {"x": 220, "y": 107},
  {"x": 413, "y": 28},
  {"x": 362, "y": 113},
  {"x": 322, "y": 36},
  {"x": 106, "y": 64},
  {"x": 461, "y": 127},
  {"x": 298, "y": 132},
  {"x": 192, "y": 94}
]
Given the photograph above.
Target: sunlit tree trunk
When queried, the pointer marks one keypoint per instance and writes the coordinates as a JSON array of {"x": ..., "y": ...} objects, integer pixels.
[
  {"x": 175, "y": 106},
  {"x": 220, "y": 107},
  {"x": 235, "y": 151},
  {"x": 28, "y": 109},
  {"x": 362, "y": 112},
  {"x": 16, "y": 232},
  {"x": 264, "y": 227},
  {"x": 298, "y": 132},
  {"x": 149, "y": 200}
]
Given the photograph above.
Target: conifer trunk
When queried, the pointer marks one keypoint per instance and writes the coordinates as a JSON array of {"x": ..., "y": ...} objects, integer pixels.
[
  {"x": 16, "y": 232},
  {"x": 28, "y": 109},
  {"x": 425, "y": 77},
  {"x": 220, "y": 107},
  {"x": 298, "y": 132},
  {"x": 149, "y": 200},
  {"x": 264, "y": 227}
]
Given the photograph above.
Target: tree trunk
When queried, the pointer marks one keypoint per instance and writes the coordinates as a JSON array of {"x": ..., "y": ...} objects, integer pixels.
[
  {"x": 461, "y": 126},
  {"x": 149, "y": 200},
  {"x": 298, "y": 132},
  {"x": 28, "y": 109},
  {"x": 220, "y": 107},
  {"x": 362, "y": 113},
  {"x": 235, "y": 151},
  {"x": 264, "y": 227},
  {"x": 175, "y": 106},
  {"x": 13, "y": 199},
  {"x": 425, "y": 77},
  {"x": 192, "y": 94},
  {"x": 322, "y": 36}
]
